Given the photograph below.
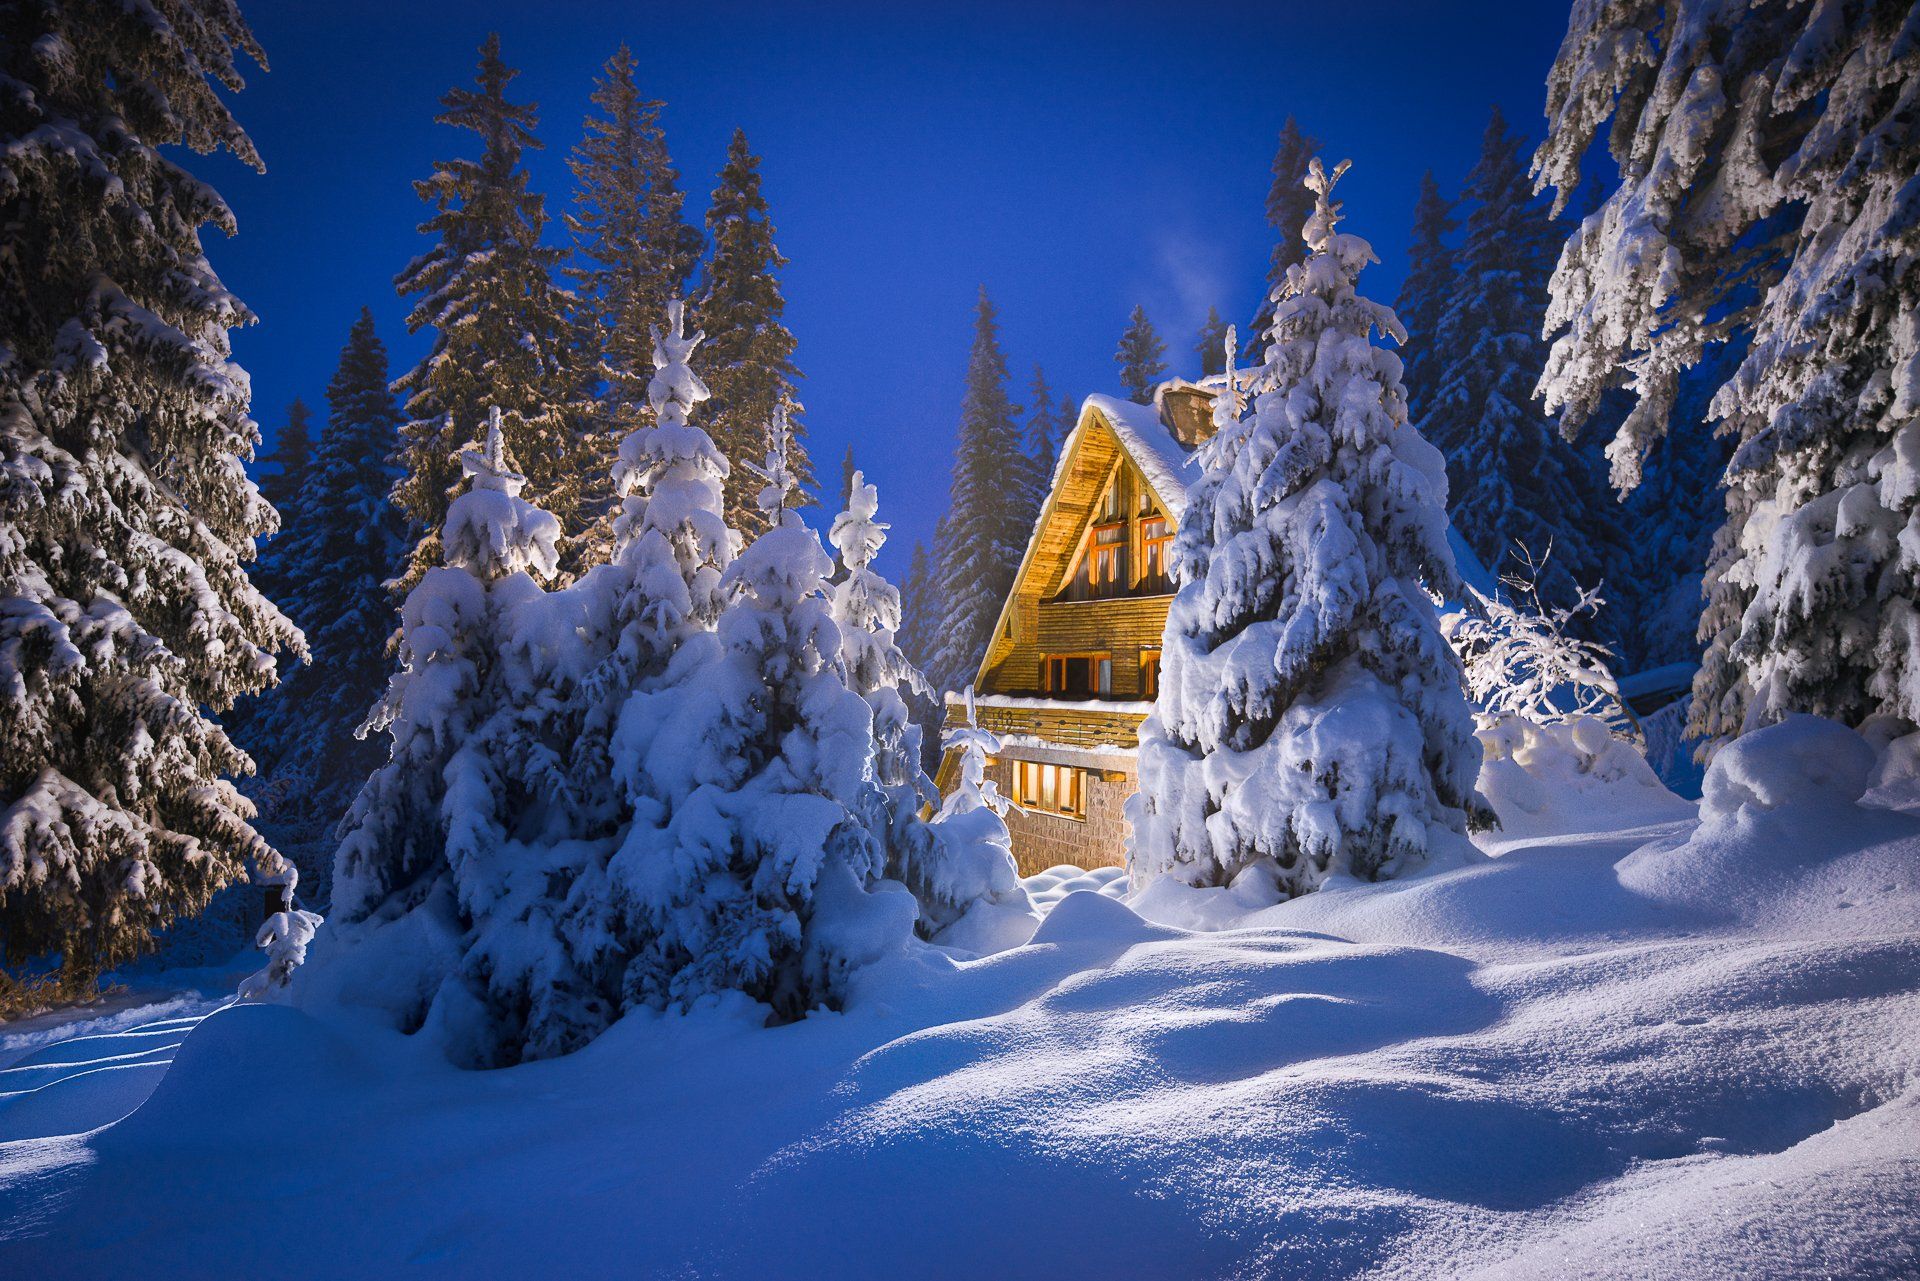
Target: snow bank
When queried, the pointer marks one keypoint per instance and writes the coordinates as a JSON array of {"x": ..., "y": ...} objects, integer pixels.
[
  {"x": 1573, "y": 777},
  {"x": 1687, "y": 1051}
]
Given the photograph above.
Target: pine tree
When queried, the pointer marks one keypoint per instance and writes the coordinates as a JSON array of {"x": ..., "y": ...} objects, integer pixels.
[
  {"x": 1766, "y": 156},
  {"x": 1209, "y": 347},
  {"x": 126, "y": 614},
  {"x": 1140, "y": 357},
  {"x": 1426, "y": 294},
  {"x": 970, "y": 892},
  {"x": 749, "y": 352},
  {"x": 423, "y": 837},
  {"x": 639, "y": 255},
  {"x": 343, "y": 543},
  {"x": 950, "y": 872},
  {"x": 754, "y": 865},
  {"x": 1041, "y": 450},
  {"x": 1302, "y": 643},
  {"x": 1288, "y": 204},
  {"x": 505, "y": 334},
  {"x": 983, "y": 534},
  {"x": 916, "y": 606},
  {"x": 292, "y": 455},
  {"x": 672, "y": 545},
  {"x": 1513, "y": 482}
]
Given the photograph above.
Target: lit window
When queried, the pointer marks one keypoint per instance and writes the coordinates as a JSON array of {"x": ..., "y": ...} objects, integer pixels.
[
  {"x": 1149, "y": 673},
  {"x": 1050, "y": 789},
  {"x": 1156, "y": 539},
  {"x": 1106, "y": 558}
]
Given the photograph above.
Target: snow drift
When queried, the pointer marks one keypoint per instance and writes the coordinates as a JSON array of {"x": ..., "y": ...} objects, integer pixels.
[{"x": 1688, "y": 1050}]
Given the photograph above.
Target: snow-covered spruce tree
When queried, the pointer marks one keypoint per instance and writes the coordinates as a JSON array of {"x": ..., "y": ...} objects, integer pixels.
[
  {"x": 415, "y": 840},
  {"x": 343, "y": 542},
  {"x": 1512, "y": 480},
  {"x": 920, "y": 608},
  {"x": 1766, "y": 158},
  {"x": 757, "y": 841},
  {"x": 272, "y": 573},
  {"x": 126, "y": 516},
  {"x": 639, "y": 253},
  {"x": 1141, "y": 357},
  {"x": 1426, "y": 294},
  {"x": 1213, "y": 358},
  {"x": 970, "y": 894},
  {"x": 749, "y": 354},
  {"x": 504, "y": 333},
  {"x": 1672, "y": 515},
  {"x": 983, "y": 535},
  {"x": 866, "y": 607},
  {"x": 1311, "y": 720},
  {"x": 672, "y": 545},
  {"x": 292, "y": 455},
  {"x": 1041, "y": 448},
  {"x": 1288, "y": 204}
]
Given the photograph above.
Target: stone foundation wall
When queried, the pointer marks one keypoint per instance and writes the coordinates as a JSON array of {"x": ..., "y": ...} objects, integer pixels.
[{"x": 1042, "y": 840}]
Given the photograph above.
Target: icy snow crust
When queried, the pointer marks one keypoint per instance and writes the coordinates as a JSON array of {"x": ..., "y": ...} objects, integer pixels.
[{"x": 1683, "y": 1050}]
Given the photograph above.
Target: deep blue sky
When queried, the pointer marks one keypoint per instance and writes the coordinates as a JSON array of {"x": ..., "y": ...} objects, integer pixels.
[{"x": 1076, "y": 159}]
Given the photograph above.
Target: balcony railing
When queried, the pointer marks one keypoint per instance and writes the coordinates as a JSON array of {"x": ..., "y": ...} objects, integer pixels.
[{"x": 1088, "y": 724}]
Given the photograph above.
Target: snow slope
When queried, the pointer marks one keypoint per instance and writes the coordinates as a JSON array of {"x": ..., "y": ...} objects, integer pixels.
[{"x": 1683, "y": 1050}]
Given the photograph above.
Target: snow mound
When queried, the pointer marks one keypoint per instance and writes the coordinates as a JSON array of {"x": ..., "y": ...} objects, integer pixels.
[
  {"x": 80, "y": 1075},
  {"x": 1545, "y": 780},
  {"x": 1050, "y": 886},
  {"x": 1803, "y": 760}
]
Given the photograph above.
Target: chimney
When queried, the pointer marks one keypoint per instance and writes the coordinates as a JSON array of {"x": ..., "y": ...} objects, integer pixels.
[{"x": 1186, "y": 409}]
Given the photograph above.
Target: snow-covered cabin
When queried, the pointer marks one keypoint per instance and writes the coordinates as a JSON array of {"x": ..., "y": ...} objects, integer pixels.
[{"x": 1073, "y": 666}]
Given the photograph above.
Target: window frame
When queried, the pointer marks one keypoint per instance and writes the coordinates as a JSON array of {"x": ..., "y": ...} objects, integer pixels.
[{"x": 1035, "y": 781}]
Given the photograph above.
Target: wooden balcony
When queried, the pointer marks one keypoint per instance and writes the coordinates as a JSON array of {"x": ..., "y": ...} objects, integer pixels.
[{"x": 1068, "y": 724}]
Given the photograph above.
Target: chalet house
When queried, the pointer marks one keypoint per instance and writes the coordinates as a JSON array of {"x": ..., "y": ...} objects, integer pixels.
[{"x": 1074, "y": 662}]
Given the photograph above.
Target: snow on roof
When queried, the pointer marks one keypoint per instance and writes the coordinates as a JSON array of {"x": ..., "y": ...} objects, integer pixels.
[{"x": 1161, "y": 458}]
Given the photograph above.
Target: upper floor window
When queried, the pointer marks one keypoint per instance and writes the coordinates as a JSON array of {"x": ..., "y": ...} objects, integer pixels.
[
  {"x": 1156, "y": 544},
  {"x": 1077, "y": 675}
]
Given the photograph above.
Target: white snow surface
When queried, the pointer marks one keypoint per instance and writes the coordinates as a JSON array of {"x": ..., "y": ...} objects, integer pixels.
[{"x": 1687, "y": 1050}]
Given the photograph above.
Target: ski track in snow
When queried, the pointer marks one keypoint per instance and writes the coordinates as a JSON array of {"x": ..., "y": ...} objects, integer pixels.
[{"x": 1680, "y": 1050}]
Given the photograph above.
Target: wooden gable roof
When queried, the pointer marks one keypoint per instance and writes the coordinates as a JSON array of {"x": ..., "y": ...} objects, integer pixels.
[{"x": 1107, "y": 433}]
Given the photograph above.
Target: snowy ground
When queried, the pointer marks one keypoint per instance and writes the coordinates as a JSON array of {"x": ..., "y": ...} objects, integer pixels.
[{"x": 1688, "y": 1049}]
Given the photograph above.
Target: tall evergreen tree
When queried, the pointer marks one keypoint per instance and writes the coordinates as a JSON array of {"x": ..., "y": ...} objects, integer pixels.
[
  {"x": 1426, "y": 294},
  {"x": 983, "y": 534},
  {"x": 749, "y": 350},
  {"x": 1042, "y": 445},
  {"x": 1288, "y": 204},
  {"x": 1211, "y": 345},
  {"x": 126, "y": 614},
  {"x": 343, "y": 543},
  {"x": 916, "y": 607},
  {"x": 1766, "y": 155},
  {"x": 1312, "y": 719},
  {"x": 639, "y": 254},
  {"x": 292, "y": 456},
  {"x": 1513, "y": 482},
  {"x": 754, "y": 867},
  {"x": 1141, "y": 357},
  {"x": 421, "y": 849},
  {"x": 505, "y": 334}
]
